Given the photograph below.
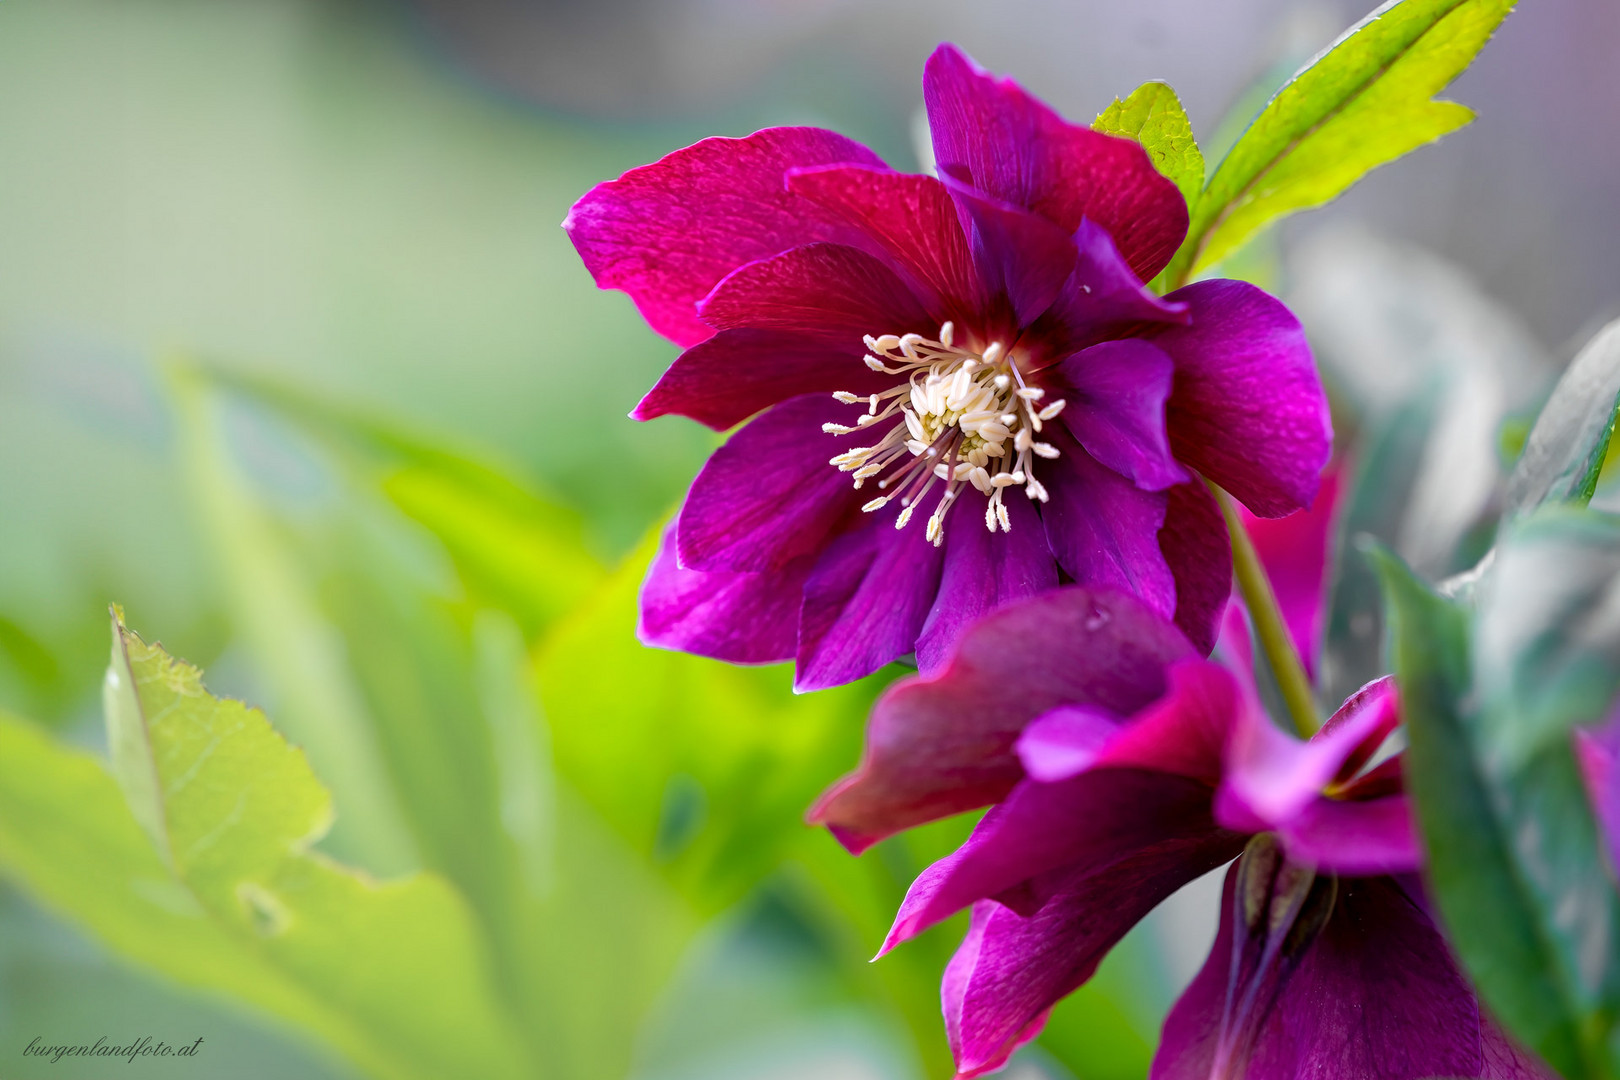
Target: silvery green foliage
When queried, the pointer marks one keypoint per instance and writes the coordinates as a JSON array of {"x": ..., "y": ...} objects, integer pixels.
[
  {"x": 1564, "y": 454},
  {"x": 1432, "y": 366},
  {"x": 1516, "y": 861}
]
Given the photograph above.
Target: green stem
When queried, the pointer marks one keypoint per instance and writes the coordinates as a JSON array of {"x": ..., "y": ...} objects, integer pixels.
[{"x": 1266, "y": 616}]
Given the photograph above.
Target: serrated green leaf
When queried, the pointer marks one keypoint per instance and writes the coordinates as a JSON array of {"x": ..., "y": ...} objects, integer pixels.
[
  {"x": 1365, "y": 101},
  {"x": 437, "y": 689},
  {"x": 1513, "y": 856},
  {"x": 389, "y": 973},
  {"x": 1153, "y": 116},
  {"x": 1564, "y": 453}
]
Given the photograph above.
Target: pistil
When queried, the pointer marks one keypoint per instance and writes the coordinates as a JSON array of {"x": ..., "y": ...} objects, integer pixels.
[{"x": 960, "y": 410}]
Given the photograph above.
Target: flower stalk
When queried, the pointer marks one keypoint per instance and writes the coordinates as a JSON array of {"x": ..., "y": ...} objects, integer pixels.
[{"x": 1266, "y": 617}]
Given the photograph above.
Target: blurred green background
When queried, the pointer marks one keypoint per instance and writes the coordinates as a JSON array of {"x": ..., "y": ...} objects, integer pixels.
[{"x": 298, "y": 367}]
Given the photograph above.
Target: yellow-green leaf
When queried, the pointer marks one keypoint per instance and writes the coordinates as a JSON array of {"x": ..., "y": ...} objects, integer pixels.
[
  {"x": 1365, "y": 101},
  {"x": 392, "y": 974},
  {"x": 1153, "y": 116}
]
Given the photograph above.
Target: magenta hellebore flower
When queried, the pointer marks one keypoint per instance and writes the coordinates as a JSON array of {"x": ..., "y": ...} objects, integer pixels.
[
  {"x": 961, "y": 392},
  {"x": 1117, "y": 782}
]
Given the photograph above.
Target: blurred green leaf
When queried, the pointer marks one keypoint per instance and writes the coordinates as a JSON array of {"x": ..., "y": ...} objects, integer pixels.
[
  {"x": 1153, "y": 116},
  {"x": 706, "y": 766},
  {"x": 514, "y": 548},
  {"x": 68, "y": 837},
  {"x": 1381, "y": 482},
  {"x": 1365, "y": 101},
  {"x": 233, "y": 809},
  {"x": 277, "y": 614},
  {"x": 854, "y": 901},
  {"x": 1549, "y": 630},
  {"x": 1513, "y": 856},
  {"x": 222, "y": 891},
  {"x": 27, "y": 655},
  {"x": 55, "y": 979},
  {"x": 1566, "y": 448},
  {"x": 554, "y": 890},
  {"x": 438, "y": 688}
]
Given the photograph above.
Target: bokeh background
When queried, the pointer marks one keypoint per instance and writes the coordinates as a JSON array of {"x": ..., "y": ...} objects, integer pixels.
[{"x": 272, "y": 270}]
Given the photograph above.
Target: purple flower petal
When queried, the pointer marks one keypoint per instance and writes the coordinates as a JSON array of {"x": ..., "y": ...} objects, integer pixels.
[
  {"x": 666, "y": 233},
  {"x": 912, "y": 219},
  {"x": 1147, "y": 784},
  {"x": 1101, "y": 300},
  {"x": 733, "y": 375},
  {"x": 1296, "y": 553},
  {"x": 953, "y": 987},
  {"x": 1019, "y": 254},
  {"x": 1375, "y": 836},
  {"x": 768, "y": 495},
  {"x": 1066, "y": 831},
  {"x": 1363, "y": 721},
  {"x": 940, "y": 745},
  {"x": 1012, "y": 968},
  {"x": 1248, "y": 409},
  {"x": 1115, "y": 394},
  {"x": 1016, "y": 149},
  {"x": 1185, "y": 732},
  {"x": 1102, "y": 528},
  {"x": 832, "y": 291},
  {"x": 983, "y": 571},
  {"x": 865, "y": 602},
  {"x": 1597, "y": 750},
  {"x": 1199, "y": 553},
  {"x": 1065, "y": 742},
  {"x": 1272, "y": 776},
  {"x": 1373, "y": 994},
  {"x": 738, "y": 617}
]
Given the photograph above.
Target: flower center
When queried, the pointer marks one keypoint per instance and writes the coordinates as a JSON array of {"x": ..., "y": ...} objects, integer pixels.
[{"x": 969, "y": 420}]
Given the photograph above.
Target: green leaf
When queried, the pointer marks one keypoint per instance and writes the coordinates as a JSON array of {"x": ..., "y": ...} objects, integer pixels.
[
  {"x": 69, "y": 980},
  {"x": 1365, "y": 101},
  {"x": 1381, "y": 490},
  {"x": 1549, "y": 629},
  {"x": 1564, "y": 453},
  {"x": 1513, "y": 856},
  {"x": 437, "y": 690},
  {"x": 68, "y": 837},
  {"x": 1153, "y": 116},
  {"x": 514, "y": 547},
  {"x": 556, "y": 894},
  {"x": 706, "y": 769},
  {"x": 706, "y": 766},
  {"x": 277, "y": 614},
  {"x": 211, "y": 878}
]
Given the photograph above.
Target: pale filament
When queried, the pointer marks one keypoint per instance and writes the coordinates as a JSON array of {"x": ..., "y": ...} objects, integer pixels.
[{"x": 968, "y": 419}]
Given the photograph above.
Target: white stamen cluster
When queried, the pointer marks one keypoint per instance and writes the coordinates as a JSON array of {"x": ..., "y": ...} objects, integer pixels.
[{"x": 969, "y": 420}]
